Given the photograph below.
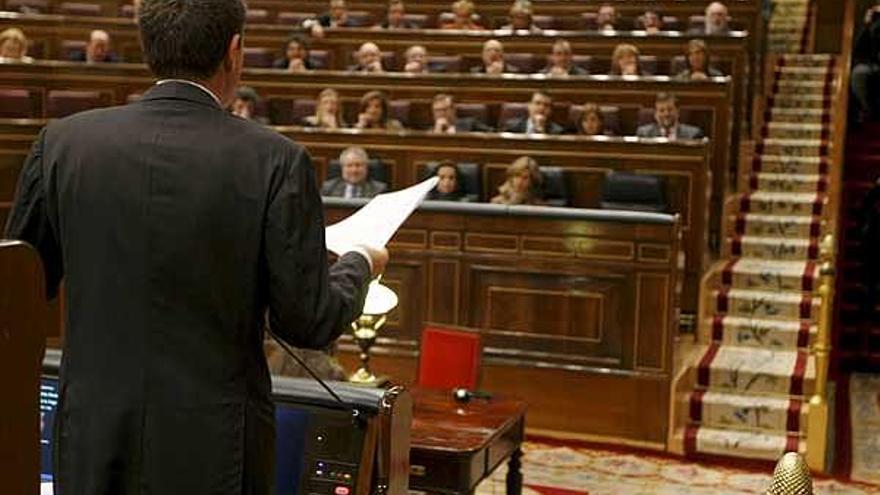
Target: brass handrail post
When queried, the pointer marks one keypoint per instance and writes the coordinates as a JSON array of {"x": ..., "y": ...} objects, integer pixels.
[{"x": 817, "y": 424}]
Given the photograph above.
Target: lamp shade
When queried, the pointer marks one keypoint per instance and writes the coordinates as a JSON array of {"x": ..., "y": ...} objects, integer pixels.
[{"x": 380, "y": 299}]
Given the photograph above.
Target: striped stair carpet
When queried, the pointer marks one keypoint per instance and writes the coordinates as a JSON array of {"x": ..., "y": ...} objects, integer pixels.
[
  {"x": 753, "y": 379},
  {"x": 789, "y": 26}
]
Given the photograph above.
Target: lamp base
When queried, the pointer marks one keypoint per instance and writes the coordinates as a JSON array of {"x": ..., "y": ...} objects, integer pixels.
[{"x": 365, "y": 378}]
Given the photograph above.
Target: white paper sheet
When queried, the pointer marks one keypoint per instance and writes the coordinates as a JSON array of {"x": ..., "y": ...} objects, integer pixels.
[{"x": 375, "y": 224}]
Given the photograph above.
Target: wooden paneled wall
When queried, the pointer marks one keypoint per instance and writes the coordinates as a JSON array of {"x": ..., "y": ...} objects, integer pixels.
[{"x": 575, "y": 308}]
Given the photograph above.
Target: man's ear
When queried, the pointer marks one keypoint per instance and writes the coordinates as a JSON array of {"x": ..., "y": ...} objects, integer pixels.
[{"x": 234, "y": 52}]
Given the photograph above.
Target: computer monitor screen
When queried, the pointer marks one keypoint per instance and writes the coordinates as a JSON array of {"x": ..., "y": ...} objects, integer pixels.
[{"x": 48, "y": 404}]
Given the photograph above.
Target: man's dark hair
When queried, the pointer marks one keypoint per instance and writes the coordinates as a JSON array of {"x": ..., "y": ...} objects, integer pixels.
[
  {"x": 188, "y": 38},
  {"x": 248, "y": 94},
  {"x": 299, "y": 39}
]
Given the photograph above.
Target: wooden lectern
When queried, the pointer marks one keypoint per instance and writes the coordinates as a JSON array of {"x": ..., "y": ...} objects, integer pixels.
[{"x": 25, "y": 322}]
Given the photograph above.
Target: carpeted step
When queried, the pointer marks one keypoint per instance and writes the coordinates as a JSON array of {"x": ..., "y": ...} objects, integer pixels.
[
  {"x": 787, "y": 183},
  {"x": 714, "y": 409},
  {"x": 780, "y": 164},
  {"x": 774, "y": 203},
  {"x": 797, "y": 115},
  {"x": 766, "y": 304},
  {"x": 792, "y": 147},
  {"x": 796, "y": 130},
  {"x": 798, "y": 101},
  {"x": 749, "y": 445},
  {"x": 753, "y": 224},
  {"x": 802, "y": 73},
  {"x": 756, "y": 332},
  {"x": 770, "y": 275},
  {"x": 781, "y": 248},
  {"x": 747, "y": 370}
]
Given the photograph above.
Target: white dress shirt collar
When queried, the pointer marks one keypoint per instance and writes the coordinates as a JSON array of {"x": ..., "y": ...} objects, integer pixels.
[{"x": 193, "y": 83}]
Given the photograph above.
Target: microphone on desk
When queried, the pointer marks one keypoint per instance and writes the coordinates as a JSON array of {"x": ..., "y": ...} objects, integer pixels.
[{"x": 464, "y": 395}]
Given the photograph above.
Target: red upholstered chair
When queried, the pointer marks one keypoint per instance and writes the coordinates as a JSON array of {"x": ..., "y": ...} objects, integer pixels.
[
  {"x": 444, "y": 63},
  {"x": 449, "y": 359},
  {"x": 302, "y": 108},
  {"x": 511, "y": 111},
  {"x": 63, "y": 103},
  {"x": 16, "y": 104},
  {"x": 77, "y": 8},
  {"x": 258, "y": 57},
  {"x": 646, "y": 116},
  {"x": 648, "y": 64},
  {"x": 321, "y": 59},
  {"x": 400, "y": 110}
]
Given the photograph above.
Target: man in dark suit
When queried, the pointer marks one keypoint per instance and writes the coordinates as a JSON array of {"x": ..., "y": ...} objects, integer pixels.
[
  {"x": 175, "y": 226},
  {"x": 97, "y": 50},
  {"x": 561, "y": 61},
  {"x": 353, "y": 180},
  {"x": 447, "y": 122},
  {"x": 538, "y": 121},
  {"x": 666, "y": 122},
  {"x": 493, "y": 60}
]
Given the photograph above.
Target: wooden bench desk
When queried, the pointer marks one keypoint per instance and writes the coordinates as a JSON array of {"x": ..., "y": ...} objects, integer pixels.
[{"x": 456, "y": 445}]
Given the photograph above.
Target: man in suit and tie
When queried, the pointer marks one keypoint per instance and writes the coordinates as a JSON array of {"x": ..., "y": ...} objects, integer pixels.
[
  {"x": 666, "y": 124},
  {"x": 447, "y": 122},
  {"x": 538, "y": 121},
  {"x": 493, "y": 60},
  {"x": 353, "y": 181},
  {"x": 97, "y": 50},
  {"x": 180, "y": 231}
]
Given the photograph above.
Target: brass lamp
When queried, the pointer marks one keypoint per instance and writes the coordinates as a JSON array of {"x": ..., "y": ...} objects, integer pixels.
[{"x": 380, "y": 301}]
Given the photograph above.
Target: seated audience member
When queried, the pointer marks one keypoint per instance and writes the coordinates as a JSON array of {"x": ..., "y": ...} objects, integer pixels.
[
  {"x": 353, "y": 181},
  {"x": 493, "y": 60},
  {"x": 463, "y": 11},
  {"x": 697, "y": 59},
  {"x": 666, "y": 124},
  {"x": 328, "y": 112},
  {"x": 865, "y": 78},
  {"x": 97, "y": 50},
  {"x": 652, "y": 23},
  {"x": 538, "y": 120},
  {"x": 449, "y": 187},
  {"x": 337, "y": 16},
  {"x": 373, "y": 113},
  {"x": 625, "y": 61},
  {"x": 395, "y": 16},
  {"x": 369, "y": 59},
  {"x": 606, "y": 18},
  {"x": 296, "y": 55},
  {"x": 416, "y": 60},
  {"x": 246, "y": 103},
  {"x": 521, "y": 18},
  {"x": 561, "y": 61},
  {"x": 13, "y": 46},
  {"x": 592, "y": 122},
  {"x": 447, "y": 122},
  {"x": 717, "y": 20},
  {"x": 523, "y": 184}
]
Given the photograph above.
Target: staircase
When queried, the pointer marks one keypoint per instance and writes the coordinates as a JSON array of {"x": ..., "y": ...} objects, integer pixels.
[
  {"x": 788, "y": 30},
  {"x": 745, "y": 388}
]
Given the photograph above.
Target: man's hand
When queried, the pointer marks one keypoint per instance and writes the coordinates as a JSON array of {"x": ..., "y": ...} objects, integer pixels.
[
  {"x": 296, "y": 65},
  {"x": 378, "y": 257},
  {"x": 441, "y": 125},
  {"x": 699, "y": 76},
  {"x": 413, "y": 68},
  {"x": 539, "y": 121},
  {"x": 496, "y": 67}
]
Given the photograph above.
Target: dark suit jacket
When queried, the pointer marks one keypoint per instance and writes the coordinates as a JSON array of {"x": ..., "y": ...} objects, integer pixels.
[
  {"x": 520, "y": 125},
  {"x": 176, "y": 226},
  {"x": 508, "y": 69},
  {"x": 80, "y": 56},
  {"x": 684, "y": 131},
  {"x": 336, "y": 187},
  {"x": 574, "y": 70}
]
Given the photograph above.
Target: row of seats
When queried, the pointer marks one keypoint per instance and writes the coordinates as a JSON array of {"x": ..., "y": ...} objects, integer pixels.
[
  {"x": 619, "y": 190},
  {"x": 360, "y": 18},
  {"x": 619, "y": 121},
  {"x": 22, "y": 103},
  {"x": 257, "y": 57}
]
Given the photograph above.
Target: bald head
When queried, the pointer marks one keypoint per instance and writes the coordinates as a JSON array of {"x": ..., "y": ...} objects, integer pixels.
[
  {"x": 370, "y": 57},
  {"x": 493, "y": 51},
  {"x": 98, "y": 48},
  {"x": 716, "y": 18}
]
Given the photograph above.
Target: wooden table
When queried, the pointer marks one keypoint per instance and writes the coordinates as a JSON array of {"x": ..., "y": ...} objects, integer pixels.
[{"x": 455, "y": 445}]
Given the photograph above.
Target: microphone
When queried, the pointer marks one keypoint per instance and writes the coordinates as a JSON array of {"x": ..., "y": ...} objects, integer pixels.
[
  {"x": 791, "y": 476},
  {"x": 462, "y": 394},
  {"x": 355, "y": 413}
]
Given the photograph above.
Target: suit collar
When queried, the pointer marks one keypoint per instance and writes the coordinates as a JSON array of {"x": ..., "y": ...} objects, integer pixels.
[{"x": 181, "y": 90}]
